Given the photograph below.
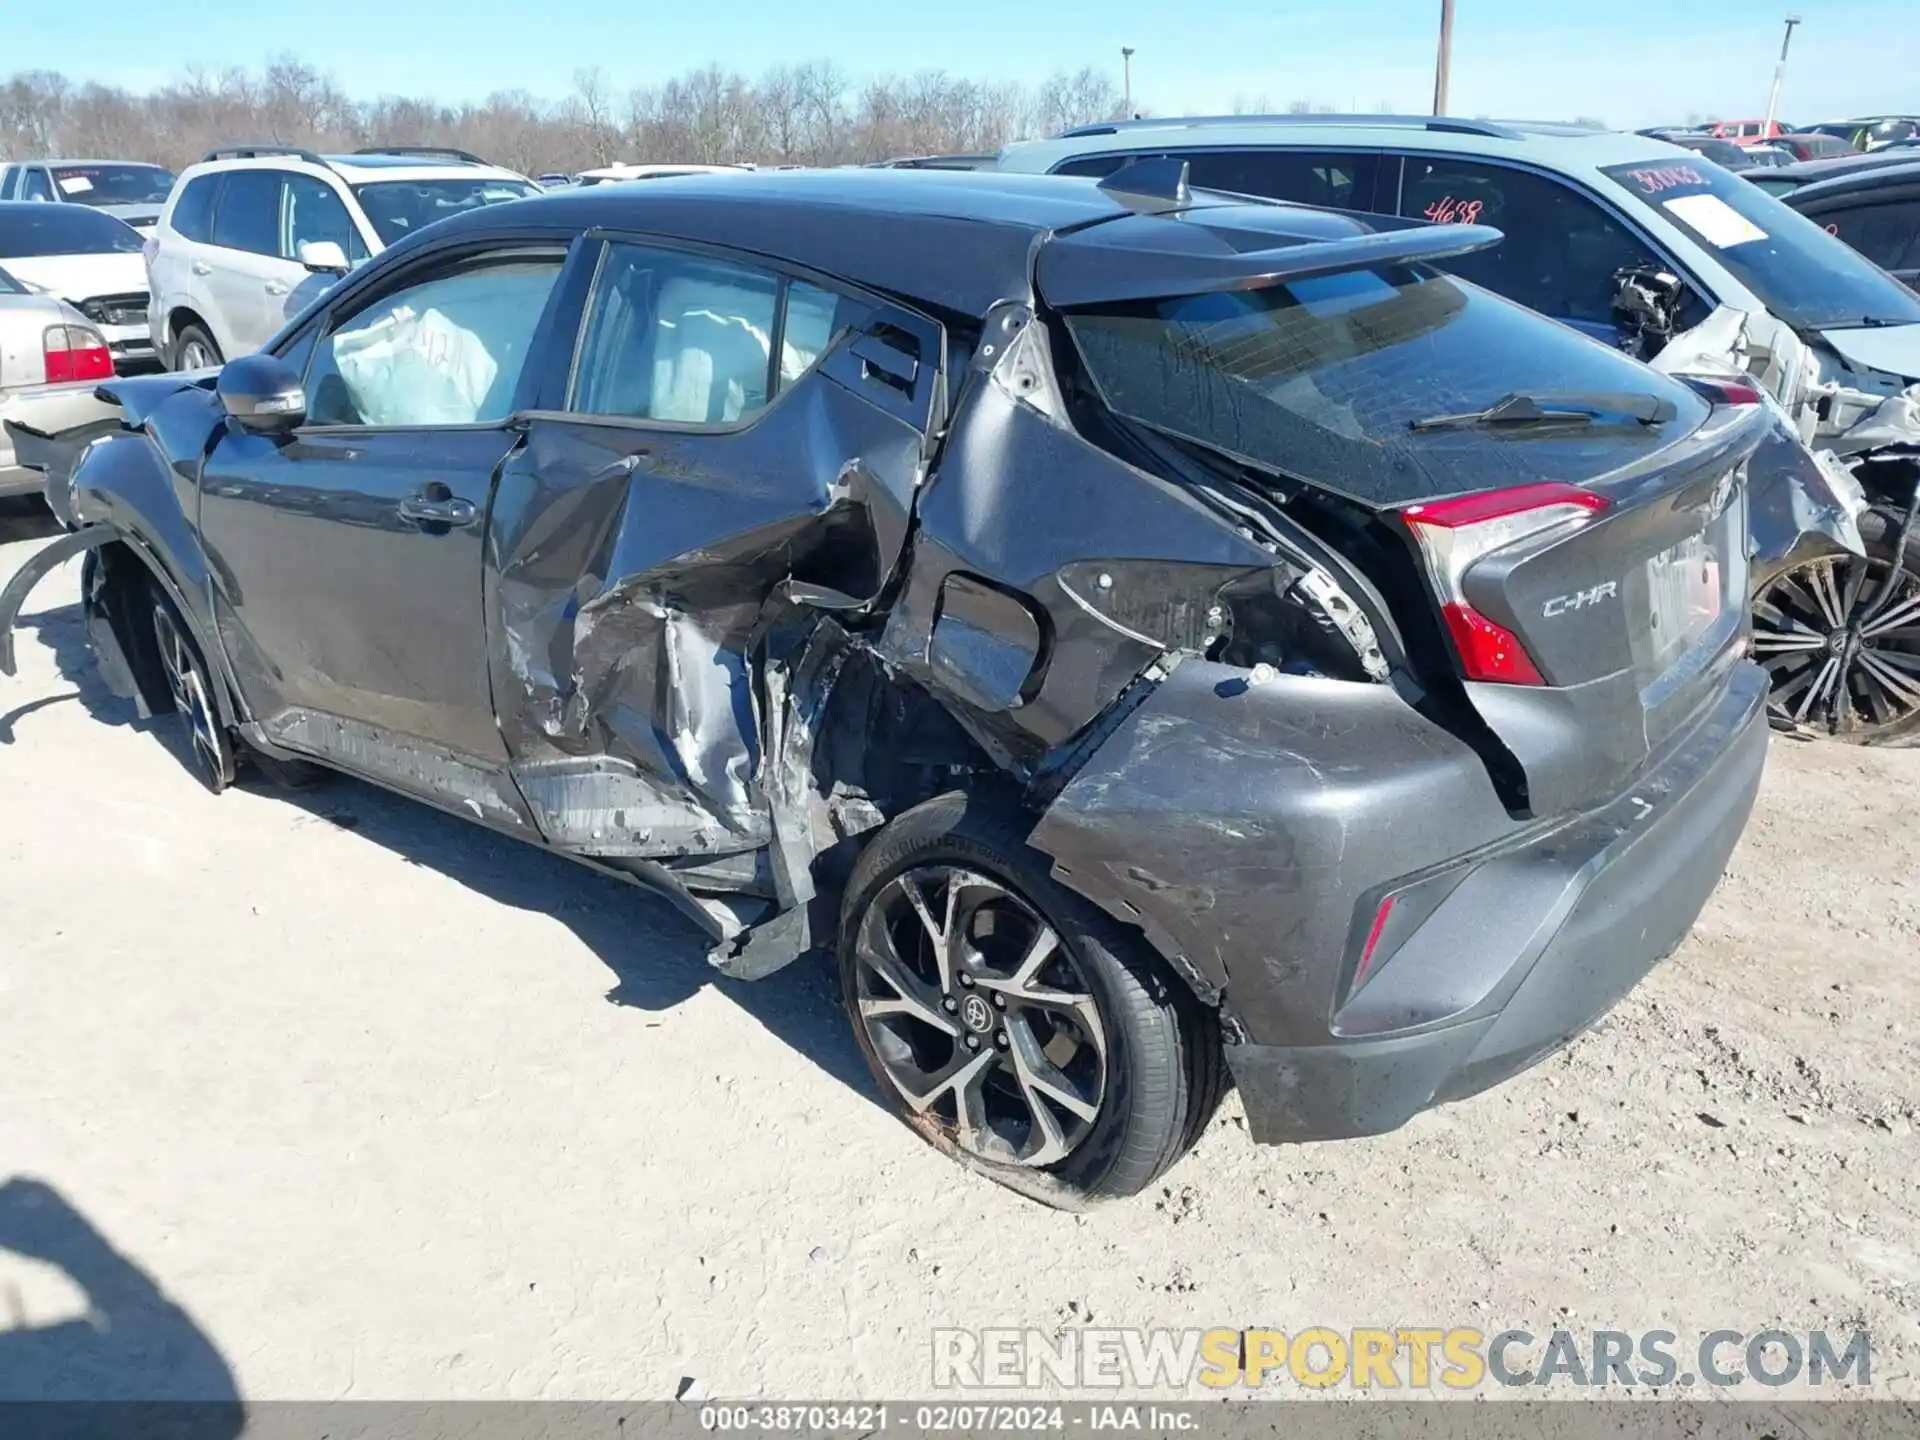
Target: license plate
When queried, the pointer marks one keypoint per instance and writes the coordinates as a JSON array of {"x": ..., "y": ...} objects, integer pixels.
[{"x": 1686, "y": 593}]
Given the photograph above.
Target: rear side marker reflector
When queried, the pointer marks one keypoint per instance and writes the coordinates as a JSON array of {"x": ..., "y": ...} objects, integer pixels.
[
  {"x": 1454, "y": 534},
  {"x": 1373, "y": 940}
]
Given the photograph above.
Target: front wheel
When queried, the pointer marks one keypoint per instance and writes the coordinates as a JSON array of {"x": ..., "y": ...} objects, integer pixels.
[
  {"x": 209, "y": 747},
  {"x": 1012, "y": 1024},
  {"x": 1840, "y": 639}
]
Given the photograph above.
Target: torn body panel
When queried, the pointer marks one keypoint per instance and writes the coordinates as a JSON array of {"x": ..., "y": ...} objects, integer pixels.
[
  {"x": 1845, "y": 411},
  {"x": 1099, "y": 568},
  {"x": 632, "y": 577}
]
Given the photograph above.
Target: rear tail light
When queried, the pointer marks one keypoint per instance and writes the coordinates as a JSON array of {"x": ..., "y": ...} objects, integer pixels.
[
  {"x": 1722, "y": 390},
  {"x": 75, "y": 352},
  {"x": 150, "y": 247},
  {"x": 1453, "y": 534}
]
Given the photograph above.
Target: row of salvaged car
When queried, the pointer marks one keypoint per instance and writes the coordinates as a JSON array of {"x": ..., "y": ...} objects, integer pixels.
[
  {"x": 1647, "y": 248},
  {"x": 1150, "y": 632}
]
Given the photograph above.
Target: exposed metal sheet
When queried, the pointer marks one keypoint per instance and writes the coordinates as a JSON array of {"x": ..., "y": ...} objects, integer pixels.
[
  {"x": 430, "y": 771},
  {"x": 633, "y": 577}
]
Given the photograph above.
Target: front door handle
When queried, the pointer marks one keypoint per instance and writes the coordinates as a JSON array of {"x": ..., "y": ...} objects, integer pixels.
[
  {"x": 434, "y": 505},
  {"x": 201, "y": 267},
  {"x": 276, "y": 287}
]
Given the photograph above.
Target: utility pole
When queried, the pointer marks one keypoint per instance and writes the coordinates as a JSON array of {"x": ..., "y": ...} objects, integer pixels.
[
  {"x": 1779, "y": 74},
  {"x": 1126, "y": 71},
  {"x": 1443, "y": 65}
]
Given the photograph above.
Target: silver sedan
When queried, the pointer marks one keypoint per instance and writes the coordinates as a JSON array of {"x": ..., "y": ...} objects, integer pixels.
[{"x": 51, "y": 357}]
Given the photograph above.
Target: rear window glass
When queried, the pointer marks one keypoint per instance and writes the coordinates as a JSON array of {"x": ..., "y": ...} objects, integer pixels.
[
  {"x": 1322, "y": 380},
  {"x": 193, "y": 211},
  {"x": 397, "y": 208},
  {"x": 1337, "y": 180},
  {"x": 1802, "y": 274},
  {"x": 249, "y": 213},
  {"x": 27, "y": 230}
]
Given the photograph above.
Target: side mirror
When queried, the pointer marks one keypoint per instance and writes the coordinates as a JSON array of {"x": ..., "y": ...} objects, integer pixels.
[
  {"x": 261, "y": 394},
  {"x": 323, "y": 257}
]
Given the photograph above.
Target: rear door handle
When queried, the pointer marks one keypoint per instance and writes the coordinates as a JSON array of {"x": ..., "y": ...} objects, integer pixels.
[
  {"x": 201, "y": 267},
  {"x": 429, "y": 508},
  {"x": 276, "y": 287}
]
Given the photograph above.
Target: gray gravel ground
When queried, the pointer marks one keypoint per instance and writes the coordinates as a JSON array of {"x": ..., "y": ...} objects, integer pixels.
[{"x": 339, "y": 1098}]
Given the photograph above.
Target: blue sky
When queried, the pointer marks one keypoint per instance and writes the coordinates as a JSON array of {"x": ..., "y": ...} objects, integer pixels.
[{"x": 1630, "y": 62}]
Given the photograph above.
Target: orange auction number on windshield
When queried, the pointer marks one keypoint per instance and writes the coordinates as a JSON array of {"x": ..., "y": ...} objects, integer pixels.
[
  {"x": 1667, "y": 177},
  {"x": 1449, "y": 211}
]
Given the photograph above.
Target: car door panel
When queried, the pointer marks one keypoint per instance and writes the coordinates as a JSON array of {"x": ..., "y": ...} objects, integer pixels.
[
  {"x": 247, "y": 284},
  {"x": 346, "y": 558},
  {"x": 333, "y": 598},
  {"x": 634, "y": 569}
]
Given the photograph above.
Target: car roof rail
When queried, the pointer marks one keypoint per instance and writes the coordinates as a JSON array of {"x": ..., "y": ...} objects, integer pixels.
[
  {"x": 425, "y": 152},
  {"x": 257, "y": 152},
  {"x": 1439, "y": 124}
]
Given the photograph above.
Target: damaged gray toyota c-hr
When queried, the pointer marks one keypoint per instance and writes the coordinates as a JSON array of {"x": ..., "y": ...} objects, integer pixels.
[{"x": 1153, "y": 637}]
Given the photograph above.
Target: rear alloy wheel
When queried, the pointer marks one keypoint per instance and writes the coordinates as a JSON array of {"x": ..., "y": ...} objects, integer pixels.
[
  {"x": 209, "y": 747},
  {"x": 193, "y": 349},
  {"x": 1009, "y": 1022},
  {"x": 1842, "y": 644}
]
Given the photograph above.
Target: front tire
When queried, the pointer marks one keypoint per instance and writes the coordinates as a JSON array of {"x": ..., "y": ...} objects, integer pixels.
[
  {"x": 208, "y": 745},
  {"x": 1012, "y": 1024}
]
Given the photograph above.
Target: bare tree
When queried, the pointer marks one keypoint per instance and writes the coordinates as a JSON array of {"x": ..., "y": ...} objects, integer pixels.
[
  {"x": 808, "y": 112},
  {"x": 594, "y": 115}
]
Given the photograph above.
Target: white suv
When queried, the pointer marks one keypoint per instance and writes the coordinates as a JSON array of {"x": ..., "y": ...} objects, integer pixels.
[{"x": 251, "y": 234}]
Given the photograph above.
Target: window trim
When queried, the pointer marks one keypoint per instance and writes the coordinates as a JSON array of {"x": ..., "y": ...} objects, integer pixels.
[{"x": 418, "y": 270}]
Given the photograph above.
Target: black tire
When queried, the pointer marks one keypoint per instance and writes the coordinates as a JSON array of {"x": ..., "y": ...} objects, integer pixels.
[
  {"x": 1803, "y": 600},
  {"x": 1163, "y": 1066},
  {"x": 183, "y": 343},
  {"x": 206, "y": 743}
]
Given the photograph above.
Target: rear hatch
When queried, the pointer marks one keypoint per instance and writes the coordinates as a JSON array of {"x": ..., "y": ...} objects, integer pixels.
[{"x": 1559, "y": 530}]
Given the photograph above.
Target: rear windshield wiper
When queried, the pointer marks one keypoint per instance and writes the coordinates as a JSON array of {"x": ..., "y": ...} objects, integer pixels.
[{"x": 1578, "y": 409}]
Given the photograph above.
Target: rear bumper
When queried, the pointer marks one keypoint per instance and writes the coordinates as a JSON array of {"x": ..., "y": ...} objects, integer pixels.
[{"x": 1502, "y": 943}]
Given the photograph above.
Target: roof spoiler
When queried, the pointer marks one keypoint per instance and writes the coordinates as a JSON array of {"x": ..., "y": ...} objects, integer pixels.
[{"x": 1087, "y": 267}]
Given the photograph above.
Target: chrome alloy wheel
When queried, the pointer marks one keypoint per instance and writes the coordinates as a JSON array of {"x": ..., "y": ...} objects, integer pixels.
[
  {"x": 1842, "y": 648},
  {"x": 196, "y": 354},
  {"x": 980, "y": 1016},
  {"x": 191, "y": 703}
]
